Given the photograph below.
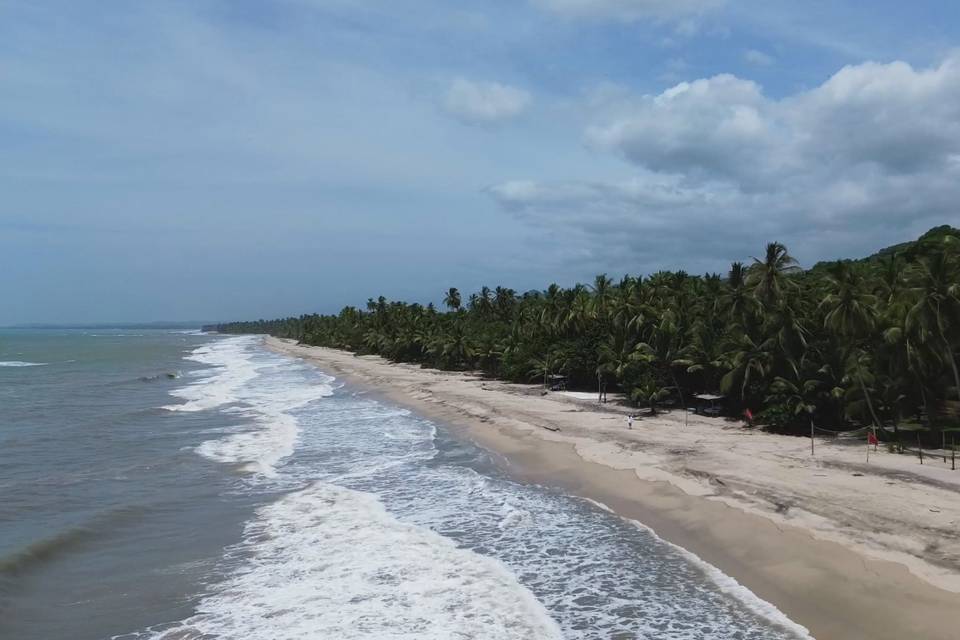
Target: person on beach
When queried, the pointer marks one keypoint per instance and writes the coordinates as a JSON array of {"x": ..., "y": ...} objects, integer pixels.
[{"x": 630, "y": 421}]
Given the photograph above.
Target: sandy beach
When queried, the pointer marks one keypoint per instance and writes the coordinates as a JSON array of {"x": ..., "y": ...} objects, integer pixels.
[{"x": 845, "y": 548}]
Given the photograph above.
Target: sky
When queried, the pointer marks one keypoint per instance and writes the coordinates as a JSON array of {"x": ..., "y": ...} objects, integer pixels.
[{"x": 239, "y": 159}]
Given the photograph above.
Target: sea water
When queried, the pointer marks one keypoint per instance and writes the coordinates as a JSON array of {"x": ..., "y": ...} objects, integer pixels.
[{"x": 176, "y": 486}]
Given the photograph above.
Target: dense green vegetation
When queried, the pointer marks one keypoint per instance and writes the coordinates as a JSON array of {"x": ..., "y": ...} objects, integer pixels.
[{"x": 844, "y": 344}]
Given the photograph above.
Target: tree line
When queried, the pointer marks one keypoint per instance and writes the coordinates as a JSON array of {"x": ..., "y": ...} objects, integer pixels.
[{"x": 842, "y": 345}]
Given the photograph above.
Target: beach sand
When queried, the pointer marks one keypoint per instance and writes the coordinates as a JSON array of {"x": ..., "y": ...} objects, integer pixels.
[{"x": 847, "y": 549}]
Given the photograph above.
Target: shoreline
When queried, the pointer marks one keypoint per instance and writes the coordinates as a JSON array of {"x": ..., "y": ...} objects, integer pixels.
[{"x": 835, "y": 561}]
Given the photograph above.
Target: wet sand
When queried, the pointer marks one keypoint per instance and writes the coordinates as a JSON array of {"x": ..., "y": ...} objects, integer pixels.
[{"x": 845, "y": 548}]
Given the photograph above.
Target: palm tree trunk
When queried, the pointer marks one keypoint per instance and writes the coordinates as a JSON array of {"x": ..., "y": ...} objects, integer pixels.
[
  {"x": 866, "y": 396},
  {"x": 896, "y": 432},
  {"x": 680, "y": 391},
  {"x": 811, "y": 434},
  {"x": 953, "y": 366},
  {"x": 926, "y": 406},
  {"x": 956, "y": 374},
  {"x": 950, "y": 358}
]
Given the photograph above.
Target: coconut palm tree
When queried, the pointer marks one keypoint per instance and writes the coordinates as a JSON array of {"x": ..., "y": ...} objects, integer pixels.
[
  {"x": 452, "y": 299},
  {"x": 799, "y": 392},
  {"x": 504, "y": 300},
  {"x": 545, "y": 365},
  {"x": 603, "y": 293},
  {"x": 881, "y": 335},
  {"x": 850, "y": 315},
  {"x": 664, "y": 350},
  {"x": 936, "y": 314},
  {"x": 850, "y": 311},
  {"x": 649, "y": 391},
  {"x": 769, "y": 278},
  {"x": 738, "y": 303},
  {"x": 749, "y": 361}
]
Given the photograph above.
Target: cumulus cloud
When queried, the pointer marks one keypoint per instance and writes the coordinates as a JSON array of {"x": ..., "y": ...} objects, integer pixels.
[
  {"x": 871, "y": 155},
  {"x": 484, "y": 102},
  {"x": 629, "y": 9}
]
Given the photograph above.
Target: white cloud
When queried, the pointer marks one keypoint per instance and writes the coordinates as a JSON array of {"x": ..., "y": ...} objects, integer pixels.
[
  {"x": 759, "y": 58},
  {"x": 870, "y": 156},
  {"x": 629, "y": 9},
  {"x": 484, "y": 102}
]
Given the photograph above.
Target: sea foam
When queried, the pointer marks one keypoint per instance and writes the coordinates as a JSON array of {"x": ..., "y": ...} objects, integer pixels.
[
  {"x": 261, "y": 389},
  {"x": 389, "y": 531},
  {"x": 329, "y": 562},
  {"x": 231, "y": 367}
]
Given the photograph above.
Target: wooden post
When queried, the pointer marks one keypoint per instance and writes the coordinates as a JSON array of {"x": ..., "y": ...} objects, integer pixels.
[
  {"x": 919, "y": 447},
  {"x": 811, "y": 435},
  {"x": 943, "y": 443},
  {"x": 953, "y": 454}
]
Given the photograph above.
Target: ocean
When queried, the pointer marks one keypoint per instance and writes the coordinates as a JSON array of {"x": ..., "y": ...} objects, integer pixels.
[{"x": 170, "y": 485}]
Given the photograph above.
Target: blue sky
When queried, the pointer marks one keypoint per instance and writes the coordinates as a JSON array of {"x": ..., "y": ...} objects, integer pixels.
[{"x": 239, "y": 159}]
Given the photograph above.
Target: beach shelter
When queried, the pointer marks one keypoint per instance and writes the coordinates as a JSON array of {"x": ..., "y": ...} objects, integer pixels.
[{"x": 708, "y": 404}]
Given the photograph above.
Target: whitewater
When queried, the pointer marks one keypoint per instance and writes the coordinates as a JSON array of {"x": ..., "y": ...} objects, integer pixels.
[{"x": 378, "y": 523}]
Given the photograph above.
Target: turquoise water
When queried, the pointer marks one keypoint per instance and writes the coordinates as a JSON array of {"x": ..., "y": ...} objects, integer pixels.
[{"x": 175, "y": 485}]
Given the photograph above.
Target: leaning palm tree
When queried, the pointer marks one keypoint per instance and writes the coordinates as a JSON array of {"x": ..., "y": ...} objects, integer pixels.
[{"x": 859, "y": 368}]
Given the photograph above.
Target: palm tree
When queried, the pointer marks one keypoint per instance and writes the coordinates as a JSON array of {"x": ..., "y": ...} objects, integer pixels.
[
  {"x": 615, "y": 356},
  {"x": 664, "y": 350},
  {"x": 850, "y": 312},
  {"x": 504, "y": 300},
  {"x": 484, "y": 301},
  {"x": 749, "y": 361},
  {"x": 603, "y": 293},
  {"x": 452, "y": 299},
  {"x": 650, "y": 392},
  {"x": 545, "y": 365},
  {"x": 737, "y": 302},
  {"x": 581, "y": 310},
  {"x": 704, "y": 354},
  {"x": 800, "y": 393},
  {"x": 858, "y": 367},
  {"x": 880, "y": 335},
  {"x": 769, "y": 278},
  {"x": 937, "y": 311},
  {"x": 851, "y": 316}
]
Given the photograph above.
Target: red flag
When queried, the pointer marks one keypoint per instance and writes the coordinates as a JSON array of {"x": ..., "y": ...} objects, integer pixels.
[
  {"x": 872, "y": 439},
  {"x": 748, "y": 415}
]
